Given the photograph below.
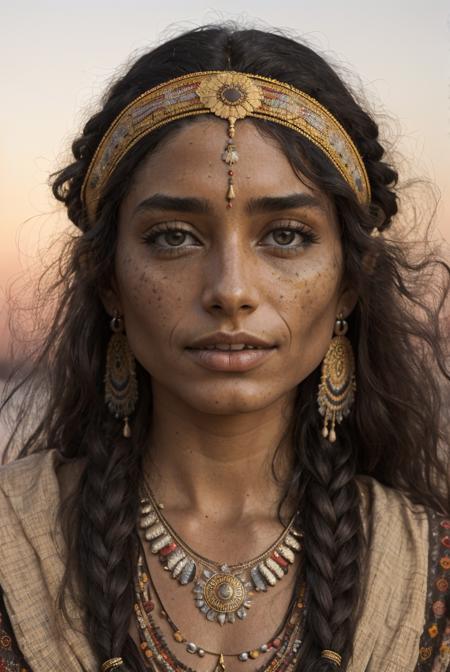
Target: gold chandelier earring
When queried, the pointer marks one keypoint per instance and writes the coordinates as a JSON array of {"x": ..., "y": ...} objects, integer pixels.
[
  {"x": 121, "y": 392},
  {"x": 337, "y": 385}
]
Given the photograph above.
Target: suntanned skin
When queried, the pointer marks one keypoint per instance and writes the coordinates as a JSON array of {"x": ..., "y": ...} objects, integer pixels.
[{"x": 214, "y": 433}]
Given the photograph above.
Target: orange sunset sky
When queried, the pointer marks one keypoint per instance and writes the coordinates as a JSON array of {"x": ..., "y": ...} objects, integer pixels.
[{"x": 57, "y": 57}]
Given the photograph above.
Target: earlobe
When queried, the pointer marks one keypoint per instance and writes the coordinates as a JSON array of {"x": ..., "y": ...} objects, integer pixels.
[
  {"x": 110, "y": 299},
  {"x": 347, "y": 302}
]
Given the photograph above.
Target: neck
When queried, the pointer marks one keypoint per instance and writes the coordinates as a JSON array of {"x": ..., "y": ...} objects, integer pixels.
[{"x": 219, "y": 466}]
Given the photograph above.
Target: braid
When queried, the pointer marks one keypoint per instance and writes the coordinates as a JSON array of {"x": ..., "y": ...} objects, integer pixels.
[
  {"x": 331, "y": 547},
  {"x": 333, "y": 536},
  {"x": 107, "y": 548}
]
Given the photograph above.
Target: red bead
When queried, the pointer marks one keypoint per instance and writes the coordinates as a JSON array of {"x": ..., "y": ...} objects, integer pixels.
[
  {"x": 167, "y": 550},
  {"x": 149, "y": 606},
  {"x": 228, "y": 205},
  {"x": 279, "y": 560},
  {"x": 276, "y": 643},
  {"x": 230, "y": 172}
]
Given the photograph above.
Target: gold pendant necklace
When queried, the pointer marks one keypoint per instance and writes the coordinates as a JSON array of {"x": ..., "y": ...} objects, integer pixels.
[{"x": 221, "y": 592}]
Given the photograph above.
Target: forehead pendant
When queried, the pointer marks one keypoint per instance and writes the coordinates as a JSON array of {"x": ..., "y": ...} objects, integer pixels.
[{"x": 230, "y": 96}]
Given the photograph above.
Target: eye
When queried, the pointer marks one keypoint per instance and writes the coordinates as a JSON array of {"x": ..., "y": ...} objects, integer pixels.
[
  {"x": 292, "y": 236},
  {"x": 167, "y": 239}
]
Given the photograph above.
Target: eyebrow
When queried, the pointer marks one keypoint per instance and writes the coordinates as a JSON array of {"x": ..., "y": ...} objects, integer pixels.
[{"x": 202, "y": 206}]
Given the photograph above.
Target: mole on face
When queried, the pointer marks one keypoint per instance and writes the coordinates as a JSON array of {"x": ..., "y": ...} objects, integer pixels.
[{"x": 226, "y": 270}]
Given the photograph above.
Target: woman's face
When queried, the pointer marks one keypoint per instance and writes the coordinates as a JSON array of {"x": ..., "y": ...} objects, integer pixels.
[{"x": 188, "y": 267}]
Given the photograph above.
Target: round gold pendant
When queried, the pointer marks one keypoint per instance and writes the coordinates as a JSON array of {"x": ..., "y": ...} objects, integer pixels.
[
  {"x": 224, "y": 593},
  {"x": 222, "y": 596}
]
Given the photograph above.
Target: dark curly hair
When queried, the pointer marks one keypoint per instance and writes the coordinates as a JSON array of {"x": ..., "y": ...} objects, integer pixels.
[{"x": 397, "y": 429}]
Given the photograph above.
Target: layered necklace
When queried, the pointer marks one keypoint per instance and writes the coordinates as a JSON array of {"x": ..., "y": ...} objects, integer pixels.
[
  {"x": 221, "y": 592},
  {"x": 283, "y": 647}
]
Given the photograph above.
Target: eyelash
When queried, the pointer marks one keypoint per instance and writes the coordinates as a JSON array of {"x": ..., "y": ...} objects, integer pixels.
[{"x": 309, "y": 238}]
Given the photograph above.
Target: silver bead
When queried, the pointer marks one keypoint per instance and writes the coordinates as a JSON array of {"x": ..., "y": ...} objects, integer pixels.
[
  {"x": 159, "y": 543},
  {"x": 275, "y": 568},
  {"x": 188, "y": 573},
  {"x": 292, "y": 542},
  {"x": 174, "y": 558},
  {"x": 154, "y": 532},
  {"x": 258, "y": 580},
  {"x": 286, "y": 553},
  {"x": 149, "y": 519},
  {"x": 179, "y": 567},
  {"x": 267, "y": 574},
  {"x": 211, "y": 615},
  {"x": 191, "y": 647},
  {"x": 243, "y": 656}
]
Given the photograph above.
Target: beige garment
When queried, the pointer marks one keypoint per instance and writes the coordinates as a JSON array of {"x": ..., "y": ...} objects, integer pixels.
[{"x": 32, "y": 562}]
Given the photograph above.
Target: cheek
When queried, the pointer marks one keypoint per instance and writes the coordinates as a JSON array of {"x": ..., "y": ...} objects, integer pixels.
[
  {"x": 150, "y": 301},
  {"x": 310, "y": 311}
]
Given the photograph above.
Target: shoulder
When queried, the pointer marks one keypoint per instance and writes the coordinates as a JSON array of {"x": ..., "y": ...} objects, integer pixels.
[
  {"x": 390, "y": 510},
  {"x": 41, "y": 475},
  {"x": 410, "y": 545},
  {"x": 27, "y": 471}
]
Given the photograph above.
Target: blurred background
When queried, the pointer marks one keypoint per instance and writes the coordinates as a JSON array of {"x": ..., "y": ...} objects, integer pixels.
[{"x": 56, "y": 58}]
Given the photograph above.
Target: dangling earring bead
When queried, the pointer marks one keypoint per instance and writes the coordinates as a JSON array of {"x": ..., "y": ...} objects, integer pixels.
[
  {"x": 121, "y": 391},
  {"x": 337, "y": 386}
]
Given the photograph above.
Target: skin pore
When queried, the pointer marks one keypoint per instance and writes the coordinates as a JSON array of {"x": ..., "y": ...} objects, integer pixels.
[{"x": 187, "y": 272}]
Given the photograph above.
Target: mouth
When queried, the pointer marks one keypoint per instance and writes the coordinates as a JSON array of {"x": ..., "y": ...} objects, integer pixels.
[
  {"x": 231, "y": 347},
  {"x": 227, "y": 357}
]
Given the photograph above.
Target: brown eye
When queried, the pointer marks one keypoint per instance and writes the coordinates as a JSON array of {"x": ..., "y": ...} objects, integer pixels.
[
  {"x": 291, "y": 237},
  {"x": 174, "y": 238},
  {"x": 169, "y": 239},
  {"x": 284, "y": 236}
]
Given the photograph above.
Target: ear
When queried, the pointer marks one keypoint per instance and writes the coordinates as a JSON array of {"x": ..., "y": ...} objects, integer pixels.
[
  {"x": 110, "y": 297},
  {"x": 347, "y": 301}
]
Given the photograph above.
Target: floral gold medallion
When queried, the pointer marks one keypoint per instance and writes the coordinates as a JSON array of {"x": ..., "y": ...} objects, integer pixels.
[{"x": 230, "y": 96}]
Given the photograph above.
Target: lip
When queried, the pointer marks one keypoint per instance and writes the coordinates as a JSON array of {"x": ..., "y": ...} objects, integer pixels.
[
  {"x": 230, "y": 360},
  {"x": 231, "y": 338}
]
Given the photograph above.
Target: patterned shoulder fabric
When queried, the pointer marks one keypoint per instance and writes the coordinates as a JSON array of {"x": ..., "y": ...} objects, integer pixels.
[
  {"x": 434, "y": 654},
  {"x": 11, "y": 659}
]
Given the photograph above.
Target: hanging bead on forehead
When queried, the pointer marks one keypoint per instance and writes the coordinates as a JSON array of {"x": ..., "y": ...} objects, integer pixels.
[{"x": 230, "y": 95}]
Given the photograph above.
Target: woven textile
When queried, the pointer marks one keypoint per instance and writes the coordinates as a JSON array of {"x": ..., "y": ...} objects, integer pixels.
[{"x": 32, "y": 563}]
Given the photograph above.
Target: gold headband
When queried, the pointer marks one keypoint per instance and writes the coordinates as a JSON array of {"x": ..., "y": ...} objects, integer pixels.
[{"x": 231, "y": 96}]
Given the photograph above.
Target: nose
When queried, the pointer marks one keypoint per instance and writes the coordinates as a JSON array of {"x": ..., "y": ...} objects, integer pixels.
[{"x": 230, "y": 281}]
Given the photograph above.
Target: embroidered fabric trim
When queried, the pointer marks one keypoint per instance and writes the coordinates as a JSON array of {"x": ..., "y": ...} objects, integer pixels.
[
  {"x": 11, "y": 659},
  {"x": 434, "y": 652}
]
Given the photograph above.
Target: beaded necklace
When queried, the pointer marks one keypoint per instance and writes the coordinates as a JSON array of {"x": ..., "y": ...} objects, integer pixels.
[
  {"x": 157, "y": 654},
  {"x": 222, "y": 592}
]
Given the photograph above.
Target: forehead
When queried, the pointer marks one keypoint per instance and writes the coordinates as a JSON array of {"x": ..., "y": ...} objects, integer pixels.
[{"x": 190, "y": 161}]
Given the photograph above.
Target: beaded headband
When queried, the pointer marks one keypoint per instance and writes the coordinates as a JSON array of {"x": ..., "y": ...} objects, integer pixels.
[{"x": 230, "y": 95}]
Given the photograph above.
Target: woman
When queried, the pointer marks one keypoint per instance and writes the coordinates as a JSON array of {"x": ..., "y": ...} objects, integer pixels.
[{"x": 244, "y": 380}]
